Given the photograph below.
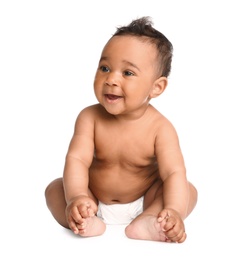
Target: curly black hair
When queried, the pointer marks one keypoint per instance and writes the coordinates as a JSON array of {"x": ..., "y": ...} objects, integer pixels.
[{"x": 143, "y": 28}]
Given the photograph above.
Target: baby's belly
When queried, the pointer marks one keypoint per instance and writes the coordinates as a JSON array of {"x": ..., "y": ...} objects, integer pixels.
[{"x": 114, "y": 186}]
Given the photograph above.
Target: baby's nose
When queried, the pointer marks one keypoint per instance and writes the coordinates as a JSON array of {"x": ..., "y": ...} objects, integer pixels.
[{"x": 112, "y": 80}]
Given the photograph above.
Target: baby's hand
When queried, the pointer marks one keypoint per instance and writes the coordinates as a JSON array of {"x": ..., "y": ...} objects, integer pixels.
[
  {"x": 173, "y": 225},
  {"x": 78, "y": 209}
]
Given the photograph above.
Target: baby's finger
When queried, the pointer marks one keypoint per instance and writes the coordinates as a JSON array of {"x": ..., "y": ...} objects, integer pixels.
[
  {"x": 170, "y": 223},
  {"x": 90, "y": 212},
  {"x": 84, "y": 210},
  {"x": 76, "y": 215},
  {"x": 163, "y": 215},
  {"x": 82, "y": 227},
  {"x": 183, "y": 238},
  {"x": 72, "y": 225},
  {"x": 176, "y": 234}
]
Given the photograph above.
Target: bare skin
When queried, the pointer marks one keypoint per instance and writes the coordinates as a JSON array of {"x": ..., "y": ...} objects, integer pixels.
[{"x": 123, "y": 149}]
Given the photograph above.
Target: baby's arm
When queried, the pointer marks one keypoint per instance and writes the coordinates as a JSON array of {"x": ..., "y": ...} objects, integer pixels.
[
  {"x": 76, "y": 171},
  {"x": 175, "y": 185}
]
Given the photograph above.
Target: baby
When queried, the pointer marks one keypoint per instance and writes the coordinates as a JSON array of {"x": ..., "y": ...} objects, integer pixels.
[{"x": 124, "y": 164}]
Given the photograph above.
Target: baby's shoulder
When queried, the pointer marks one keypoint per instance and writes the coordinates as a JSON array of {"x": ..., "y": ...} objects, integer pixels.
[
  {"x": 158, "y": 117},
  {"x": 92, "y": 112},
  {"x": 161, "y": 122},
  {"x": 87, "y": 117}
]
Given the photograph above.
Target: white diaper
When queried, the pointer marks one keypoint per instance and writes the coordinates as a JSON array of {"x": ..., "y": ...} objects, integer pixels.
[{"x": 120, "y": 214}]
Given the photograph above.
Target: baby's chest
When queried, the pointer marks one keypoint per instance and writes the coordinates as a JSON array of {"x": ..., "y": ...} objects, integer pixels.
[{"x": 135, "y": 149}]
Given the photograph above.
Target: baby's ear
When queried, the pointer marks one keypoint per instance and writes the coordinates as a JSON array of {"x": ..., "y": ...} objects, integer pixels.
[{"x": 158, "y": 87}]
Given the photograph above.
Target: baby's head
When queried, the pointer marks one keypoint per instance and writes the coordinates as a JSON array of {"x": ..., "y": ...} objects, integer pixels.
[
  {"x": 133, "y": 68},
  {"x": 143, "y": 29}
]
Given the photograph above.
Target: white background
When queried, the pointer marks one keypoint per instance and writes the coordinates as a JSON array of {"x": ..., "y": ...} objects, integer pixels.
[{"x": 49, "y": 51}]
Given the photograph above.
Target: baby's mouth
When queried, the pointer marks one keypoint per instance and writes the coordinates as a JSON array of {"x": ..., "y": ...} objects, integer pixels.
[{"x": 112, "y": 97}]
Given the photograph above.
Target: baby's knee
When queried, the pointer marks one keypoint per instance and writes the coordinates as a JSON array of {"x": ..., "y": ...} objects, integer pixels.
[
  {"x": 193, "y": 191},
  {"x": 53, "y": 189}
]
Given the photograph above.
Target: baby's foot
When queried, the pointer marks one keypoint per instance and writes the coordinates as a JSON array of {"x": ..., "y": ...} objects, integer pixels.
[
  {"x": 91, "y": 226},
  {"x": 147, "y": 228}
]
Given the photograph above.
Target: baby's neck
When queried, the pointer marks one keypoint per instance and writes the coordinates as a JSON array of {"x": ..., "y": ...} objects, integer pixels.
[{"x": 135, "y": 115}]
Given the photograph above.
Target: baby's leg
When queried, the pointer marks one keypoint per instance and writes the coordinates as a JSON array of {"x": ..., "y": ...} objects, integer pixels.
[
  {"x": 56, "y": 203},
  {"x": 148, "y": 226},
  {"x": 55, "y": 200}
]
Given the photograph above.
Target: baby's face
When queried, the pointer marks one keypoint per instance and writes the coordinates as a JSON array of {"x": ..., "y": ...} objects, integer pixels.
[{"x": 125, "y": 76}]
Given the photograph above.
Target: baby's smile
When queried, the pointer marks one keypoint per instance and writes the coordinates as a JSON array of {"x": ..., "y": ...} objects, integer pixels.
[{"x": 112, "y": 98}]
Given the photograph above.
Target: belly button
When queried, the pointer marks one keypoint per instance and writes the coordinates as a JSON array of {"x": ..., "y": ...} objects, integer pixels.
[{"x": 115, "y": 200}]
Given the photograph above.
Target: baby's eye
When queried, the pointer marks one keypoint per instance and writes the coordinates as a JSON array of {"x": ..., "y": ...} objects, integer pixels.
[
  {"x": 104, "y": 69},
  {"x": 128, "y": 73}
]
